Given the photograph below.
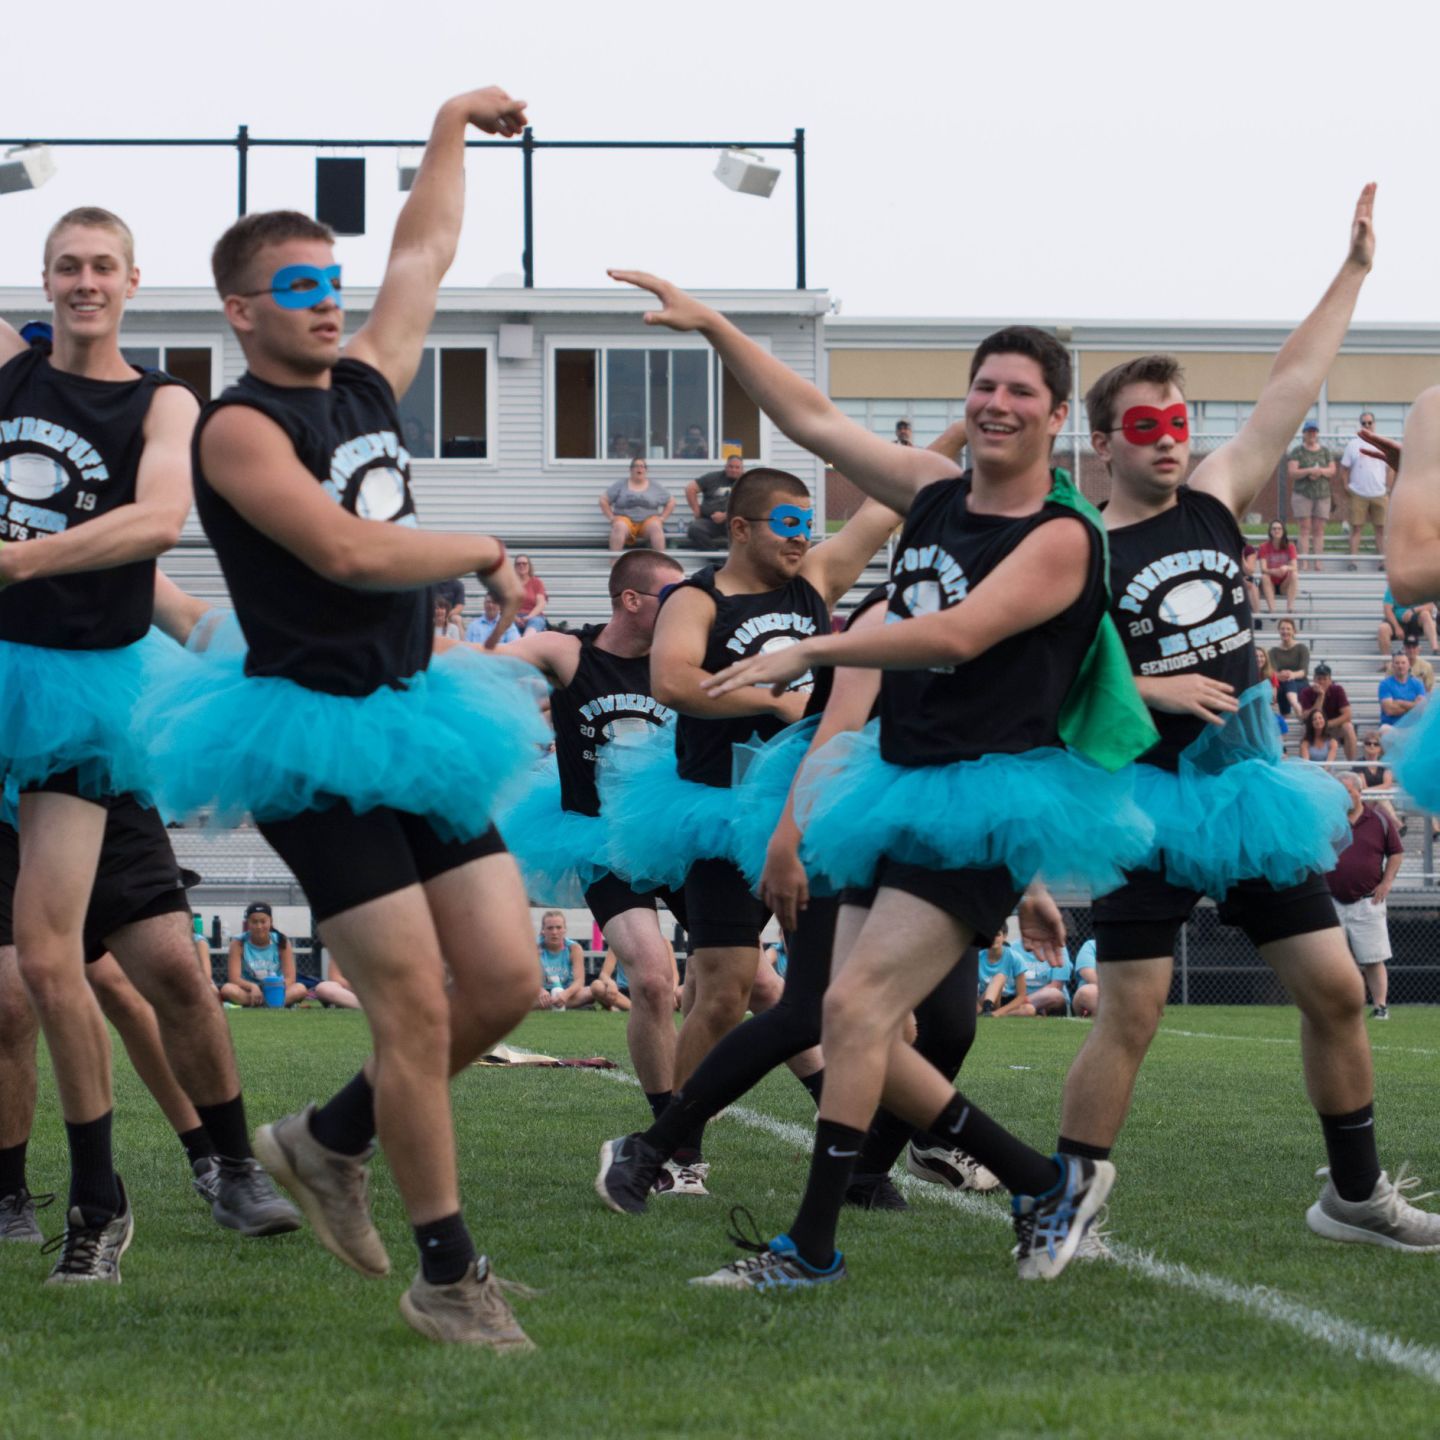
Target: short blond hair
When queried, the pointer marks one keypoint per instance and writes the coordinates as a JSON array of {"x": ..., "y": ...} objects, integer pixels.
[{"x": 93, "y": 217}]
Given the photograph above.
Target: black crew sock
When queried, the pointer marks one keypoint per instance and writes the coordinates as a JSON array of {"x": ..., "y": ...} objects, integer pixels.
[
  {"x": 12, "y": 1169},
  {"x": 813, "y": 1084},
  {"x": 229, "y": 1135},
  {"x": 680, "y": 1132},
  {"x": 196, "y": 1142},
  {"x": 837, "y": 1147},
  {"x": 657, "y": 1100},
  {"x": 1022, "y": 1171},
  {"x": 446, "y": 1249},
  {"x": 1080, "y": 1148},
  {"x": 346, "y": 1123},
  {"x": 93, "y": 1186},
  {"x": 1350, "y": 1144}
]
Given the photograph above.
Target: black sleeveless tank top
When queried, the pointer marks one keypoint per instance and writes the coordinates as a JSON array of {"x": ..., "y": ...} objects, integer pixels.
[
  {"x": 70, "y": 452},
  {"x": 745, "y": 625},
  {"x": 298, "y": 624},
  {"x": 1178, "y": 596},
  {"x": 608, "y": 695},
  {"x": 1008, "y": 699}
]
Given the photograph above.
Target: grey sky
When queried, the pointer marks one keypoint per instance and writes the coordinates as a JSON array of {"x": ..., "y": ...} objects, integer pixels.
[{"x": 1047, "y": 160}]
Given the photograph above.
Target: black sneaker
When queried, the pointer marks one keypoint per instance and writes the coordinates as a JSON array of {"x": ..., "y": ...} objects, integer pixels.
[
  {"x": 246, "y": 1200},
  {"x": 90, "y": 1254},
  {"x": 1050, "y": 1227},
  {"x": 628, "y": 1169},
  {"x": 206, "y": 1178},
  {"x": 17, "y": 1217},
  {"x": 874, "y": 1192},
  {"x": 1380, "y": 1012}
]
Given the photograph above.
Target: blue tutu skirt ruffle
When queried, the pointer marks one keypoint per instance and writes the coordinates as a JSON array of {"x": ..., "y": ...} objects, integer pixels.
[
  {"x": 1045, "y": 812},
  {"x": 454, "y": 745},
  {"x": 77, "y": 710},
  {"x": 762, "y": 777},
  {"x": 560, "y": 853},
  {"x": 217, "y": 632},
  {"x": 657, "y": 824},
  {"x": 1413, "y": 747}
]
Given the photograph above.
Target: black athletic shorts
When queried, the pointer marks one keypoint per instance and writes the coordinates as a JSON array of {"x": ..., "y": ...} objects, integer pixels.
[
  {"x": 1141, "y": 920},
  {"x": 979, "y": 898},
  {"x": 342, "y": 859},
  {"x": 610, "y": 896},
  {"x": 722, "y": 911},
  {"x": 65, "y": 782},
  {"x": 137, "y": 877}
]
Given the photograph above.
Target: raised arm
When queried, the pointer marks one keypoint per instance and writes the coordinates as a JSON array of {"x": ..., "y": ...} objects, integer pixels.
[
  {"x": 1236, "y": 473},
  {"x": 1412, "y": 538},
  {"x": 834, "y": 566},
  {"x": 554, "y": 654},
  {"x": 426, "y": 235},
  {"x": 890, "y": 473}
]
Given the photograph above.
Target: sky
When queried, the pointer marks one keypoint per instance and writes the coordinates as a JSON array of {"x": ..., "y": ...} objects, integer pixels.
[{"x": 1027, "y": 160}]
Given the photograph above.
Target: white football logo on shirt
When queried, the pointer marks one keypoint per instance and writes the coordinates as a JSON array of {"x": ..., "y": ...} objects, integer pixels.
[
  {"x": 382, "y": 495},
  {"x": 784, "y": 642},
  {"x": 33, "y": 477},
  {"x": 1191, "y": 602},
  {"x": 625, "y": 725},
  {"x": 921, "y": 598}
]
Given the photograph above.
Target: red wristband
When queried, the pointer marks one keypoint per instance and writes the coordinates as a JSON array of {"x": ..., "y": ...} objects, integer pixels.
[{"x": 489, "y": 570}]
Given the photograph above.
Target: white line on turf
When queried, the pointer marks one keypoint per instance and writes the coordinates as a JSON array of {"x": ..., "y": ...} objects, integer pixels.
[
  {"x": 1312, "y": 1323},
  {"x": 1284, "y": 1040}
]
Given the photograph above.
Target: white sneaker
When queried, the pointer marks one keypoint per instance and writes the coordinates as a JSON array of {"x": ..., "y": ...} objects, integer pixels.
[
  {"x": 1389, "y": 1217},
  {"x": 677, "y": 1179},
  {"x": 1092, "y": 1244},
  {"x": 945, "y": 1165}
]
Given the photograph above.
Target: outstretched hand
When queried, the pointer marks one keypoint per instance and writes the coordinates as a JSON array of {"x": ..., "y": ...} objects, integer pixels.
[
  {"x": 1380, "y": 447},
  {"x": 1362, "y": 229},
  {"x": 677, "y": 309},
  {"x": 778, "y": 669},
  {"x": 494, "y": 111}
]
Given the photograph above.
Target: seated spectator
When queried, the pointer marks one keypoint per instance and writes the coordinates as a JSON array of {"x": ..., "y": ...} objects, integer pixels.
[
  {"x": 336, "y": 990},
  {"x": 610, "y": 989},
  {"x": 1359, "y": 884},
  {"x": 446, "y": 628},
  {"x": 562, "y": 967},
  {"x": 693, "y": 446},
  {"x": 622, "y": 447},
  {"x": 1400, "y": 693},
  {"x": 203, "y": 956},
  {"x": 1001, "y": 975},
  {"x": 1046, "y": 985},
  {"x": 1316, "y": 742},
  {"x": 637, "y": 509},
  {"x": 709, "y": 495},
  {"x": 1420, "y": 667},
  {"x": 1264, "y": 672},
  {"x": 1330, "y": 699},
  {"x": 532, "y": 608},
  {"x": 484, "y": 623},
  {"x": 1376, "y": 775},
  {"x": 904, "y": 434},
  {"x": 1290, "y": 667},
  {"x": 260, "y": 954},
  {"x": 1250, "y": 564},
  {"x": 1085, "y": 981},
  {"x": 1402, "y": 620},
  {"x": 1279, "y": 567}
]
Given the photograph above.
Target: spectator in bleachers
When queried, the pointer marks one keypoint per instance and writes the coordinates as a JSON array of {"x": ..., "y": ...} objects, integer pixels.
[
  {"x": 1374, "y": 774},
  {"x": 1250, "y": 563},
  {"x": 1367, "y": 482},
  {"x": 1001, "y": 972},
  {"x": 260, "y": 954},
  {"x": 708, "y": 496},
  {"x": 1311, "y": 468},
  {"x": 1264, "y": 672},
  {"x": 1290, "y": 665},
  {"x": 637, "y": 508},
  {"x": 1401, "y": 621},
  {"x": 336, "y": 990},
  {"x": 1279, "y": 567},
  {"x": 1359, "y": 884},
  {"x": 1420, "y": 667},
  {"x": 486, "y": 621},
  {"x": 1330, "y": 699},
  {"x": 1085, "y": 981},
  {"x": 562, "y": 967},
  {"x": 449, "y": 609},
  {"x": 693, "y": 446},
  {"x": 904, "y": 434},
  {"x": 1400, "y": 693},
  {"x": 1316, "y": 742},
  {"x": 536, "y": 597}
]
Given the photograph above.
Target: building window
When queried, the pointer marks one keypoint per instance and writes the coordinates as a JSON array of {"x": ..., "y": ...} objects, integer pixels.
[
  {"x": 445, "y": 414},
  {"x": 928, "y": 418},
  {"x": 1344, "y": 418},
  {"x": 618, "y": 402},
  {"x": 194, "y": 364}
]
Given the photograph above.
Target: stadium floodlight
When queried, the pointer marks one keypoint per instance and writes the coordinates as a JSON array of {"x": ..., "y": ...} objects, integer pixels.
[
  {"x": 746, "y": 172},
  {"x": 26, "y": 167}
]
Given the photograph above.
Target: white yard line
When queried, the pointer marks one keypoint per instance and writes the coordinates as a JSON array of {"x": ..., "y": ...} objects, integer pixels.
[
  {"x": 1286, "y": 1040},
  {"x": 1314, "y": 1324}
]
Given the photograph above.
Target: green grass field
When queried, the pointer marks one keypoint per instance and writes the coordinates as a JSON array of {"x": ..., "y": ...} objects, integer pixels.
[{"x": 1225, "y": 1317}]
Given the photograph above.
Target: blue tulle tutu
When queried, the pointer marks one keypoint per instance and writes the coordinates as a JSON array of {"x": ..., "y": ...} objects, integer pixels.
[
  {"x": 454, "y": 746},
  {"x": 658, "y": 825},
  {"x": 1234, "y": 810},
  {"x": 76, "y": 710},
  {"x": 1413, "y": 748},
  {"x": 1045, "y": 813},
  {"x": 762, "y": 774},
  {"x": 217, "y": 632},
  {"x": 559, "y": 852}
]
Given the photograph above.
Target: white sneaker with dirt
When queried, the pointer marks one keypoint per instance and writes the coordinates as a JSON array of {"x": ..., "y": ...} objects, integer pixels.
[
  {"x": 472, "y": 1311},
  {"x": 1389, "y": 1217}
]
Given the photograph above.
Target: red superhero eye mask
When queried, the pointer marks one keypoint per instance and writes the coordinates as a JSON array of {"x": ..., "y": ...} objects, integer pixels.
[{"x": 1144, "y": 424}]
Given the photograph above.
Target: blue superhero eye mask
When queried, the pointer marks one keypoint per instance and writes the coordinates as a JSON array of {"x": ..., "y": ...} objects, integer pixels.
[
  {"x": 788, "y": 521},
  {"x": 302, "y": 287}
]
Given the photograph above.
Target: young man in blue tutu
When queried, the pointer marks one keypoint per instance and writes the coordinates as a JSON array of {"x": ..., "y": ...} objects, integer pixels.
[
  {"x": 94, "y": 484},
  {"x": 1009, "y": 540},
  {"x": 372, "y": 769},
  {"x": 1215, "y": 776}
]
